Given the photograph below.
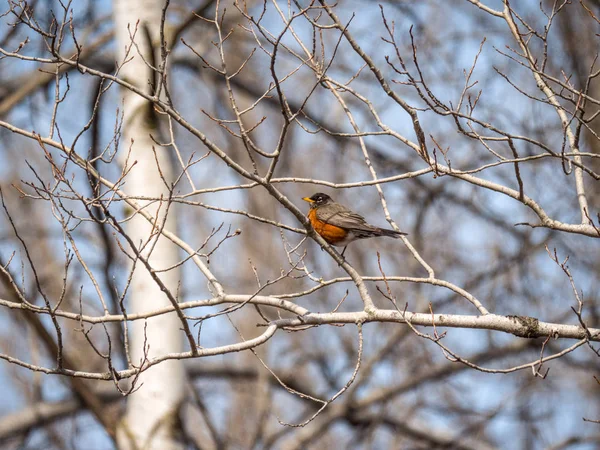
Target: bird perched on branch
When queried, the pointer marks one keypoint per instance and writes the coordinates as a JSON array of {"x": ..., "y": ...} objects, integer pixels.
[{"x": 339, "y": 225}]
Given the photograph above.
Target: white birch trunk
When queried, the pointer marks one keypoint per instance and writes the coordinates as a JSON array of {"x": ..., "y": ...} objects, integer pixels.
[{"x": 151, "y": 414}]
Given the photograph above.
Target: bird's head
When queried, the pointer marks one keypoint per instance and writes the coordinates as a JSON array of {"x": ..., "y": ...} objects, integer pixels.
[{"x": 318, "y": 199}]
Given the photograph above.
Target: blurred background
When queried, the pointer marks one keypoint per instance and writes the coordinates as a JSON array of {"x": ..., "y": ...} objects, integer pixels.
[{"x": 407, "y": 394}]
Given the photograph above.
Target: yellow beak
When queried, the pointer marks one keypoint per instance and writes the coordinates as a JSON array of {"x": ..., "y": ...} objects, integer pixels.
[{"x": 308, "y": 199}]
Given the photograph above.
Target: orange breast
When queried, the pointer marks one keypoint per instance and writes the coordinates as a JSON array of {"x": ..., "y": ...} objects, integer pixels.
[{"x": 330, "y": 233}]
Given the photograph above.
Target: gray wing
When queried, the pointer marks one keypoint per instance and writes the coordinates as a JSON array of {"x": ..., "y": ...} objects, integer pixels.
[{"x": 340, "y": 216}]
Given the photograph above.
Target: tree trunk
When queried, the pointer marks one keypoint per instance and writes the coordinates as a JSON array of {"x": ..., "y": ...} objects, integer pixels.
[{"x": 151, "y": 416}]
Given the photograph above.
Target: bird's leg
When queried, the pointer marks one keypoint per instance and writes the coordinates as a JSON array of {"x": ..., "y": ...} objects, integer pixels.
[{"x": 345, "y": 247}]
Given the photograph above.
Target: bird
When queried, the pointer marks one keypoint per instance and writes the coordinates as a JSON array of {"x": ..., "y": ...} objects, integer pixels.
[{"x": 339, "y": 225}]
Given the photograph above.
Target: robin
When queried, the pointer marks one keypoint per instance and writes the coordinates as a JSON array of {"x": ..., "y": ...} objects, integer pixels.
[{"x": 339, "y": 225}]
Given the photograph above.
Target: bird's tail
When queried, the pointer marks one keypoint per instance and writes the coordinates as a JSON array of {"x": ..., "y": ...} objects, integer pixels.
[
  {"x": 390, "y": 233},
  {"x": 375, "y": 231}
]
